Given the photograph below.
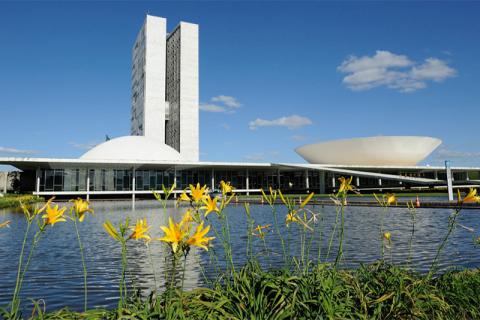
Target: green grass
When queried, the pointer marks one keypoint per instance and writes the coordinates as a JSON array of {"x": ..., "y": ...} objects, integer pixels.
[
  {"x": 13, "y": 201},
  {"x": 376, "y": 291}
]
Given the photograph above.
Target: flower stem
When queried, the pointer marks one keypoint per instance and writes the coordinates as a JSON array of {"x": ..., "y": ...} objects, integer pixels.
[
  {"x": 20, "y": 261},
  {"x": 342, "y": 229},
  {"x": 80, "y": 245},
  {"x": 451, "y": 226}
]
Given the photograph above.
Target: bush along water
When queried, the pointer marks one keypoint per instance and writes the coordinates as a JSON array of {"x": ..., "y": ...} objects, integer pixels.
[{"x": 299, "y": 288}]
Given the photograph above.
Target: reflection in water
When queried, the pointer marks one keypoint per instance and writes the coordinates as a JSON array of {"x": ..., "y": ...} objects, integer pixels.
[{"x": 56, "y": 275}]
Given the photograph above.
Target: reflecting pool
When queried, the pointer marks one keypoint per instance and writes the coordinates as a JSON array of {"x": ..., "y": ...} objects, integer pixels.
[{"x": 55, "y": 274}]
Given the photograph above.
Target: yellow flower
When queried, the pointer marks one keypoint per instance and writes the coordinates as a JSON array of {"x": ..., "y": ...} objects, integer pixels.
[
  {"x": 387, "y": 236},
  {"x": 226, "y": 187},
  {"x": 391, "y": 199},
  {"x": 140, "y": 230},
  {"x": 471, "y": 196},
  {"x": 197, "y": 193},
  {"x": 111, "y": 230},
  {"x": 186, "y": 219},
  {"x": 184, "y": 197},
  {"x": 5, "y": 224},
  {"x": 54, "y": 215},
  {"x": 173, "y": 235},
  {"x": 198, "y": 238},
  {"x": 259, "y": 229},
  {"x": 291, "y": 217},
  {"x": 345, "y": 185},
  {"x": 210, "y": 205},
  {"x": 81, "y": 207}
]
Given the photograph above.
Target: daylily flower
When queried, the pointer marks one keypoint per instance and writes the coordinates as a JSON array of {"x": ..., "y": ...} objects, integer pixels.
[
  {"x": 184, "y": 197},
  {"x": 81, "y": 207},
  {"x": 387, "y": 236},
  {"x": 259, "y": 229},
  {"x": 5, "y": 224},
  {"x": 54, "y": 215},
  {"x": 140, "y": 230},
  {"x": 226, "y": 187},
  {"x": 345, "y": 185},
  {"x": 210, "y": 205},
  {"x": 173, "y": 235},
  {"x": 198, "y": 238},
  {"x": 471, "y": 197},
  {"x": 186, "y": 219},
  {"x": 291, "y": 217},
  {"x": 391, "y": 198},
  {"x": 198, "y": 193}
]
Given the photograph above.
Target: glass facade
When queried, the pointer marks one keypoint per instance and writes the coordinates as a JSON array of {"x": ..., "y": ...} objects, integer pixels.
[
  {"x": 121, "y": 180},
  {"x": 293, "y": 181}
]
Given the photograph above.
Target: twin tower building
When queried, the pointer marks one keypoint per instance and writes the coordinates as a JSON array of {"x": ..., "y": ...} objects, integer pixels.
[{"x": 165, "y": 97}]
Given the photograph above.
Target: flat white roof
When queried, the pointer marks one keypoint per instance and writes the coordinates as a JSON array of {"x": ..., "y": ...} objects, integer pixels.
[{"x": 32, "y": 163}]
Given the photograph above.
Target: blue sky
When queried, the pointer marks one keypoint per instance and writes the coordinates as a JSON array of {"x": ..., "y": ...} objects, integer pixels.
[{"x": 282, "y": 74}]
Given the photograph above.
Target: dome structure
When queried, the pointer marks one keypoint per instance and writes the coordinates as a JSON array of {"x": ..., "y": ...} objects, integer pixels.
[
  {"x": 132, "y": 148},
  {"x": 370, "y": 151}
]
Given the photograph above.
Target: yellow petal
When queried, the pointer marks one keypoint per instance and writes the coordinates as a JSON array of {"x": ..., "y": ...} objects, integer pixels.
[{"x": 307, "y": 200}]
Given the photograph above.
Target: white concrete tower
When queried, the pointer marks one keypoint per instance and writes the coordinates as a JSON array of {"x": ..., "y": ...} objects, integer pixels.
[
  {"x": 165, "y": 86},
  {"x": 148, "y": 80}
]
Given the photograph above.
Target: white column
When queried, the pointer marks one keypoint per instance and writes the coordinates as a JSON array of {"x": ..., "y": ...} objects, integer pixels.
[
  {"x": 175, "y": 183},
  {"x": 449, "y": 180},
  {"x": 37, "y": 180},
  {"x": 5, "y": 182},
  {"x": 133, "y": 187},
  {"x": 468, "y": 178},
  {"x": 247, "y": 183},
  {"x": 307, "y": 183},
  {"x": 213, "y": 178},
  {"x": 435, "y": 174},
  {"x": 333, "y": 181},
  {"x": 88, "y": 184},
  {"x": 380, "y": 182},
  {"x": 357, "y": 181}
]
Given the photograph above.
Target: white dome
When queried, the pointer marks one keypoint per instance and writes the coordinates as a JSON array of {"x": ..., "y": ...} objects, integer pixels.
[
  {"x": 371, "y": 151},
  {"x": 132, "y": 148}
]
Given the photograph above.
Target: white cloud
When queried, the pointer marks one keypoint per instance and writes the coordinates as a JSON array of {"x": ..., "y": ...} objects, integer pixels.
[
  {"x": 291, "y": 122},
  {"x": 84, "y": 146},
  {"x": 209, "y": 107},
  {"x": 262, "y": 156},
  {"x": 255, "y": 156},
  {"x": 392, "y": 70},
  {"x": 16, "y": 151},
  {"x": 433, "y": 69},
  {"x": 225, "y": 126},
  {"x": 221, "y": 103},
  {"x": 298, "y": 137},
  {"x": 229, "y": 101},
  {"x": 445, "y": 154}
]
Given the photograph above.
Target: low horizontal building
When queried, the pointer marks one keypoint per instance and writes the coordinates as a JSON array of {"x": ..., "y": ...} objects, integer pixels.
[{"x": 97, "y": 178}]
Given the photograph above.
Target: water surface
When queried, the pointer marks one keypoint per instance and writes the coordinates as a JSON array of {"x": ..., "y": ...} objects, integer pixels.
[{"x": 55, "y": 274}]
